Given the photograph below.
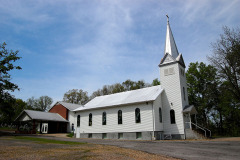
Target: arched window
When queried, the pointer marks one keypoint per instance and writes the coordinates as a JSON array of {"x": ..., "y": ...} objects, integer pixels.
[
  {"x": 119, "y": 117},
  {"x": 160, "y": 115},
  {"x": 172, "y": 116},
  {"x": 104, "y": 118},
  {"x": 137, "y": 115},
  {"x": 78, "y": 121},
  {"x": 90, "y": 119},
  {"x": 184, "y": 94}
]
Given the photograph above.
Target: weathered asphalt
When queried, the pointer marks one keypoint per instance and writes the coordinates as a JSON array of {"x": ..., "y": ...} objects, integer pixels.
[{"x": 192, "y": 150}]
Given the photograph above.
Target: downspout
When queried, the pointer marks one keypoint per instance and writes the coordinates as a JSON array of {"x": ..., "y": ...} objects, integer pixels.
[{"x": 153, "y": 115}]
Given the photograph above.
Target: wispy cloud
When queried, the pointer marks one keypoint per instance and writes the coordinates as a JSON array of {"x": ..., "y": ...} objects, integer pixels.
[{"x": 86, "y": 44}]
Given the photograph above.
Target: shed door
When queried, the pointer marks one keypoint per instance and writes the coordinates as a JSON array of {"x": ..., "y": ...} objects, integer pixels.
[{"x": 45, "y": 128}]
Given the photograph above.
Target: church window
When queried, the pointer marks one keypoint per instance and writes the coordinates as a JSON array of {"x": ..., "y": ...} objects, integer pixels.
[
  {"x": 120, "y": 135},
  {"x": 172, "y": 116},
  {"x": 184, "y": 94},
  {"x": 104, "y": 118},
  {"x": 137, "y": 115},
  {"x": 169, "y": 71},
  {"x": 182, "y": 72},
  {"x": 90, "y": 119},
  {"x": 160, "y": 115},
  {"x": 78, "y": 121},
  {"x": 165, "y": 72},
  {"x": 90, "y": 135},
  {"x": 119, "y": 117},
  {"x": 104, "y": 136},
  {"x": 138, "y": 135}
]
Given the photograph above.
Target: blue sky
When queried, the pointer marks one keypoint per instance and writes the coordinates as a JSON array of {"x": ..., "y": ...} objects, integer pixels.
[{"x": 85, "y": 44}]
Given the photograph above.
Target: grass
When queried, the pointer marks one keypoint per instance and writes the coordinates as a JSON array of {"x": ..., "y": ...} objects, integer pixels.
[
  {"x": 7, "y": 129},
  {"x": 43, "y": 140},
  {"x": 70, "y": 134}
]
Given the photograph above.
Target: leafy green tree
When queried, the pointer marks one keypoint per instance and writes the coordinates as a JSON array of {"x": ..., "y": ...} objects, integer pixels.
[
  {"x": 19, "y": 106},
  {"x": 128, "y": 84},
  {"x": 76, "y": 96},
  {"x": 226, "y": 59},
  {"x": 96, "y": 94},
  {"x": 7, "y": 58},
  {"x": 155, "y": 82},
  {"x": 118, "y": 88},
  {"x": 203, "y": 90}
]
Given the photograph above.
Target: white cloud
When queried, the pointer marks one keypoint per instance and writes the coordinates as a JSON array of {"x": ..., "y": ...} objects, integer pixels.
[{"x": 86, "y": 44}]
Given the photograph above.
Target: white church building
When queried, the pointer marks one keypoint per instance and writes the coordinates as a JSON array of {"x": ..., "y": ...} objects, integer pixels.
[
  {"x": 150, "y": 113},
  {"x": 157, "y": 112}
]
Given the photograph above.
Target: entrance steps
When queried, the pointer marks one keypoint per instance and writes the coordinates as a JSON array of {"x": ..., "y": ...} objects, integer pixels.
[{"x": 192, "y": 134}]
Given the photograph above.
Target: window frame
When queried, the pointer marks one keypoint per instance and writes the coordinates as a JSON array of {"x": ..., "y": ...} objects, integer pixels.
[
  {"x": 172, "y": 117},
  {"x": 138, "y": 135},
  {"x": 160, "y": 114},
  {"x": 119, "y": 116},
  {"x": 137, "y": 116},
  {"x": 104, "y": 118},
  {"x": 90, "y": 119},
  {"x": 78, "y": 120}
]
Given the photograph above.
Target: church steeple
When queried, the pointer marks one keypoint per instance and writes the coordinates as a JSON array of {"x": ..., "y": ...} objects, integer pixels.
[{"x": 170, "y": 45}]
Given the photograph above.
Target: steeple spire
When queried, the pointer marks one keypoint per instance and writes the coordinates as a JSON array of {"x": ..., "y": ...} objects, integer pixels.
[{"x": 170, "y": 45}]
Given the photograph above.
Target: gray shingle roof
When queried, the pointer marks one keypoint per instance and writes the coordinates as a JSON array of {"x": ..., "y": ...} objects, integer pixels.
[
  {"x": 70, "y": 106},
  {"x": 47, "y": 116},
  {"x": 123, "y": 98},
  {"x": 190, "y": 109}
]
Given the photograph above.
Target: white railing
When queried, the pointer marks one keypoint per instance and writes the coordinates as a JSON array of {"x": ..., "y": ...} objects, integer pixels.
[{"x": 202, "y": 128}]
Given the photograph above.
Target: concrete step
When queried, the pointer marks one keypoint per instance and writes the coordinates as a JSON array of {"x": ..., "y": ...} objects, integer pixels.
[{"x": 191, "y": 134}]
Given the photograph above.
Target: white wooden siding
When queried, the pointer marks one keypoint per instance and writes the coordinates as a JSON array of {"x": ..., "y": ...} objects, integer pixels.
[
  {"x": 172, "y": 94},
  {"x": 183, "y": 83},
  {"x": 128, "y": 119},
  {"x": 158, "y": 103},
  {"x": 71, "y": 119}
]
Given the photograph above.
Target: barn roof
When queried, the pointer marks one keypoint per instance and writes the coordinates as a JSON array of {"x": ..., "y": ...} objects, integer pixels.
[
  {"x": 69, "y": 106},
  {"x": 39, "y": 115},
  {"x": 129, "y": 97}
]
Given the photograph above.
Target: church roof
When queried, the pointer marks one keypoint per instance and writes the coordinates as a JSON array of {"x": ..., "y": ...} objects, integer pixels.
[
  {"x": 39, "y": 115},
  {"x": 190, "y": 109},
  {"x": 129, "y": 97},
  {"x": 69, "y": 106},
  {"x": 170, "y": 45}
]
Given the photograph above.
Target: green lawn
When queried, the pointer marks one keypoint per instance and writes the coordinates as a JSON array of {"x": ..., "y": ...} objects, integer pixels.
[{"x": 43, "y": 140}]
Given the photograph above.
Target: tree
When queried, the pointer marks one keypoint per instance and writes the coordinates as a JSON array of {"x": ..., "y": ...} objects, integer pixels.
[
  {"x": 44, "y": 103},
  {"x": 32, "y": 102},
  {"x": 76, "y": 96},
  {"x": 117, "y": 88},
  {"x": 128, "y": 84},
  {"x": 226, "y": 58},
  {"x": 203, "y": 89},
  {"x": 155, "y": 82},
  {"x": 7, "y": 58}
]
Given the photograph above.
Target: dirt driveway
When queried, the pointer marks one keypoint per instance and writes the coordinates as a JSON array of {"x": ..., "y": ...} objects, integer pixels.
[
  {"x": 218, "y": 149},
  {"x": 24, "y": 148}
]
